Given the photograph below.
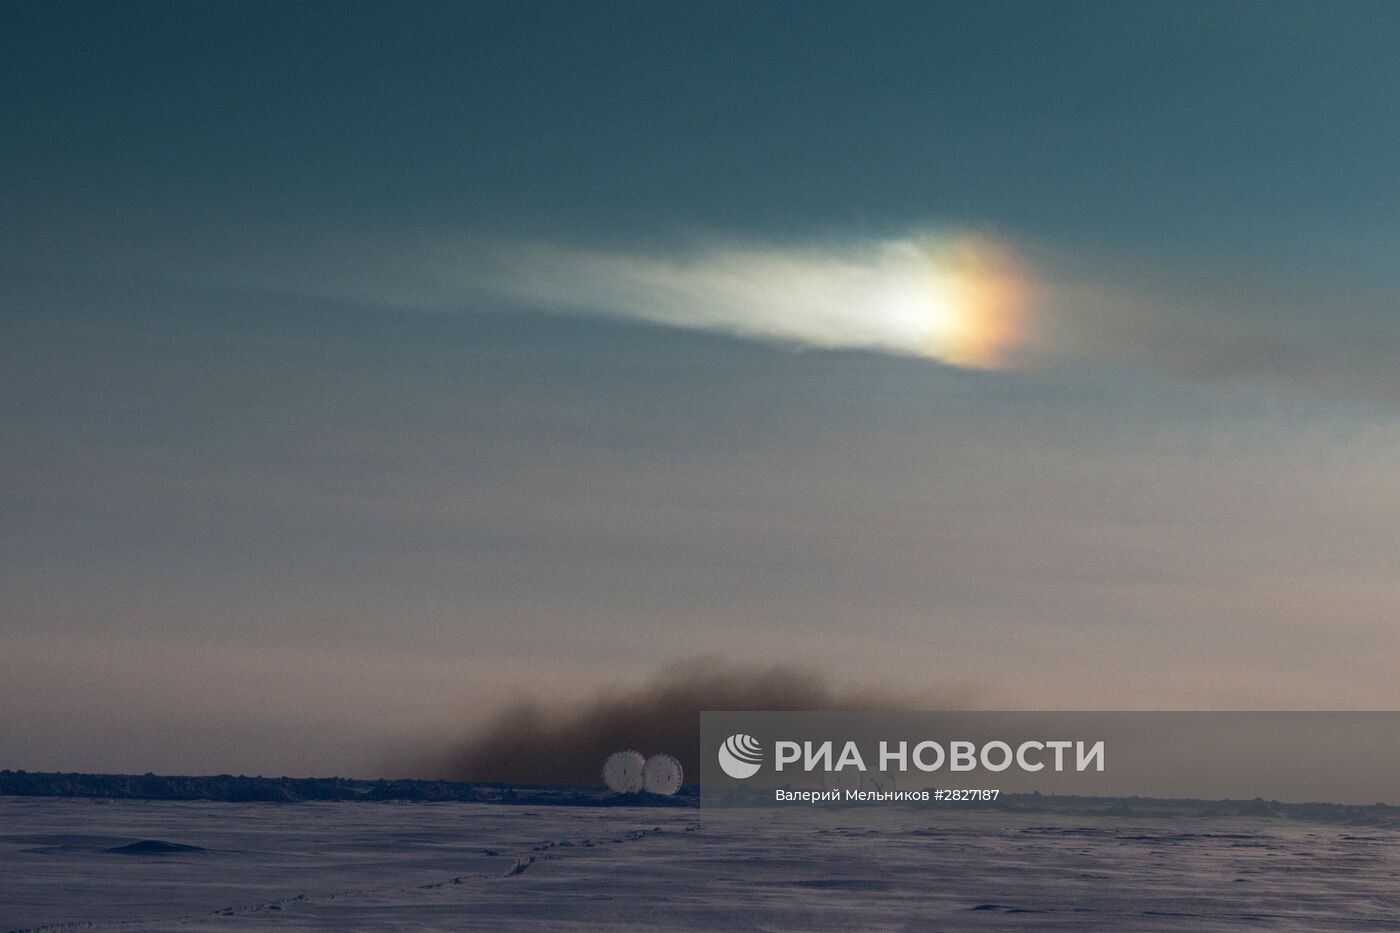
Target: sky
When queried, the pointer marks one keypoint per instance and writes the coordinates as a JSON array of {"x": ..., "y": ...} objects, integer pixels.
[{"x": 364, "y": 367}]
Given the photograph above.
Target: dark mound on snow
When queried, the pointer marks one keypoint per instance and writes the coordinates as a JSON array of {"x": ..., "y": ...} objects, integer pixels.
[{"x": 153, "y": 847}]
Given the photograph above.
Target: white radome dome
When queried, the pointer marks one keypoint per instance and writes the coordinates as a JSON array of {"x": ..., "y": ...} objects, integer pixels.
[{"x": 623, "y": 772}]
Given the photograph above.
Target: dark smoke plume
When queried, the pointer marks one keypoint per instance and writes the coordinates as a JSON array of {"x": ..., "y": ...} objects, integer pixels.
[{"x": 529, "y": 743}]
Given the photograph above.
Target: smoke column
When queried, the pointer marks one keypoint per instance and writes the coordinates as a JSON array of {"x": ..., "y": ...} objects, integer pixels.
[{"x": 530, "y": 743}]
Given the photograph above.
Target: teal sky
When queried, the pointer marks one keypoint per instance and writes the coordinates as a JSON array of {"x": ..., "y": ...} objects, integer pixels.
[{"x": 362, "y": 365}]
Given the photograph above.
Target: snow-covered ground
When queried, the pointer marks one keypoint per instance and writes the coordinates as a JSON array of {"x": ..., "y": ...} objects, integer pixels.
[{"x": 73, "y": 864}]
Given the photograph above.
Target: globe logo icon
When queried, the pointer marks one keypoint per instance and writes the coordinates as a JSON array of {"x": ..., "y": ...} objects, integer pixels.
[{"x": 741, "y": 756}]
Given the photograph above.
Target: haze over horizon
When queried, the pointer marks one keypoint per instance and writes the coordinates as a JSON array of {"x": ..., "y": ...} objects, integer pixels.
[{"x": 366, "y": 368}]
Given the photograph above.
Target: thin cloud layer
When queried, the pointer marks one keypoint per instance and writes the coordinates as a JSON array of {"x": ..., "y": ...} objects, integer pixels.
[{"x": 1209, "y": 322}]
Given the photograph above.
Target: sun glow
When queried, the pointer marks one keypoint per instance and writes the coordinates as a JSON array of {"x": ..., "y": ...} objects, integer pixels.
[{"x": 961, "y": 301}]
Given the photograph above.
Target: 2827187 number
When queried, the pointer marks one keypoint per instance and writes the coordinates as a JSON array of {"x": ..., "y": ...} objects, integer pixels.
[{"x": 970, "y": 793}]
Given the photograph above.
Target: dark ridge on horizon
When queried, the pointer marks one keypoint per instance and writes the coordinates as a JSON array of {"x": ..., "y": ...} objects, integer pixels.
[
  {"x": 229, "y": 788},
  {"x": 224, "y": 788}
]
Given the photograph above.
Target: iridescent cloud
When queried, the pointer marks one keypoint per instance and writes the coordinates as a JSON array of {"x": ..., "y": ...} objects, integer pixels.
[{"x": 962, "y": 300}]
